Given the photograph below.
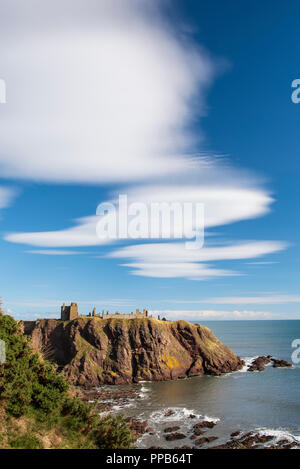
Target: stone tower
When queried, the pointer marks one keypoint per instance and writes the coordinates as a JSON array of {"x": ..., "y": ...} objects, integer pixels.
[{"x": 68, "y": 313}]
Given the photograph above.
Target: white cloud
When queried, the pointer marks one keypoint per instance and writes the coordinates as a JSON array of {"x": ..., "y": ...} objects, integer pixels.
[
  {"x": 268, "y": 299},
  {"x": 174, "y": 252},
  {"x": 225, "y": 200},
  {"x": 106, "y": 91},
  {"x": 193, "y": 315},
  {"x": 84, "y": 234},
  {"x": 96, "y": 91},
  {"x": 161, "y": 260},
  {"x": 174, "y": 260},
  {"x": 189, "y": 270},
  {"x": 222, "y": 205},
  {"x": 260, "y": 299}
]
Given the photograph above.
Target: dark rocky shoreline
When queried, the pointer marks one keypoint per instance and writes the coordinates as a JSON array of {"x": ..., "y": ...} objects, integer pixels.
[
  {"x": 105, "y": 398},
  {"x": 259, "y": 363}
]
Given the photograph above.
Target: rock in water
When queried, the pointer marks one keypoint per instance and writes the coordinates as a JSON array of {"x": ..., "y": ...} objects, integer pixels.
[
  {"x": 175, "y": 436},
  {"x": 259, "y": 364},
  {"x": 171, "y": 429},
  {"x": 280, "y": 363},
  {"x": 93, "y": 351}
]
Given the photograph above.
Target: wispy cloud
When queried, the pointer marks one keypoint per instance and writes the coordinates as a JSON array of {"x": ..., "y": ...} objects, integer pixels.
[
  {"x": 195, "y": 315},
  {"x": 188, "y": 270},
  {"x": 227, "y": 195},
  {"x": 269, "y": 299},
  {"x": 83, "y": 234},
  {"x": 113, "y": 93},
  {"x": 222, "y": 205},
  {"x": 174, "y": 260}
]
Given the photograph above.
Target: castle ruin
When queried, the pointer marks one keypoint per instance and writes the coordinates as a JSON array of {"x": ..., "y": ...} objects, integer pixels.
[
  {"x": 137, "y": 314},
  {"x": 68, "y": 313}
]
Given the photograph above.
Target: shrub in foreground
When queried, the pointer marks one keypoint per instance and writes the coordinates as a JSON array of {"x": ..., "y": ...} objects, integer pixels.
[{"x": 31, "y": 387}]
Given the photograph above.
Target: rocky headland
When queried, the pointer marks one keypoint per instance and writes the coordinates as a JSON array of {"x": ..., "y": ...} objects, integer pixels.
[{"x": 93, "y": 351}]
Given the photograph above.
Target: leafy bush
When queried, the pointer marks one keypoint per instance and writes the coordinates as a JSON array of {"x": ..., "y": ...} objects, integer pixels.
[
  {"x": 26, "y": 381},
  {"x": 31, "y": 386},
  {"x": 77, "y": 415},
  {"x": 113, "y": 433},
  {"x": 26, "y": 442}
]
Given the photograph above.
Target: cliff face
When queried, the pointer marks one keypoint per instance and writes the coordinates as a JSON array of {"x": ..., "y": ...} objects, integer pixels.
[{"x": 92, "y": 351}]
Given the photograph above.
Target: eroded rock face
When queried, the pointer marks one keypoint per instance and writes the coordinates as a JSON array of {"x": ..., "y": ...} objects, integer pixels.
[{"x": 92, "y": 351}]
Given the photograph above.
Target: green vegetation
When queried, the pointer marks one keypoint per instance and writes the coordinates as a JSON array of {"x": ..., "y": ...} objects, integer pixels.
[
  {"x": 37, "y": 409},
  {"x": 26, "y": 442}
]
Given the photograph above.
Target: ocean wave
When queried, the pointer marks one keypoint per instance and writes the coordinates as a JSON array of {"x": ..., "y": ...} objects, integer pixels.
[
  {"x": 143, "y": 394},
  {"x": 144, "y": 389},
  {"x": 248, "y": 362},
  {"x": 180, "y": 414},
  {"x": 206, "y": 418},
  {"x": 278, "y": 434},
  {"x": 120, "y": 407}
]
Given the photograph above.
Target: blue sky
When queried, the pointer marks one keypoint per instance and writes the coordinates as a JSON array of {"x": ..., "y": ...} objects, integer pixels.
[{"x": 187, "y": 100}]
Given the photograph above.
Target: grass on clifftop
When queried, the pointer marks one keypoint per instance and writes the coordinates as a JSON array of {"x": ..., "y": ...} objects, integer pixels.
[{"x": 37, "y": 409}]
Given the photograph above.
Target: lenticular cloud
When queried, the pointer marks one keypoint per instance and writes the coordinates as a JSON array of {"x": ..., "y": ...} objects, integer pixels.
[
  {"x": 97, "y": 96},
  {"x": 105, "y": 92}
]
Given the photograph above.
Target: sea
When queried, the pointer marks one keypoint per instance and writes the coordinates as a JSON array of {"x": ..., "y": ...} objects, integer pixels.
[{"x": 266, "y": 402}]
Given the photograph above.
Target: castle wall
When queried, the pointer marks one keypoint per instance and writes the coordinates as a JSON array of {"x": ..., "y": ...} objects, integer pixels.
[
  {"x": 73, "y": 311},
  {"x": 125, "y": 316},
  {"x": 68, "y": 313}
]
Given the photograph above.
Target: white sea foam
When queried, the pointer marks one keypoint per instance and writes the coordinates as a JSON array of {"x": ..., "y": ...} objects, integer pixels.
[
  {"x": 120, "y": 407},
  {"x": 181, "y": 414},
  {"x": 248, "y": 362},
  {"x": 211, "y": 419},
  {"x": 143, "y": 392},
  {"x": 278, "y": 434},
  {"x": 144, "y": 389}
]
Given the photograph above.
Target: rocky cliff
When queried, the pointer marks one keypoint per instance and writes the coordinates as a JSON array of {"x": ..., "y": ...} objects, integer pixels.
[{"x": 92, "y": 351}]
